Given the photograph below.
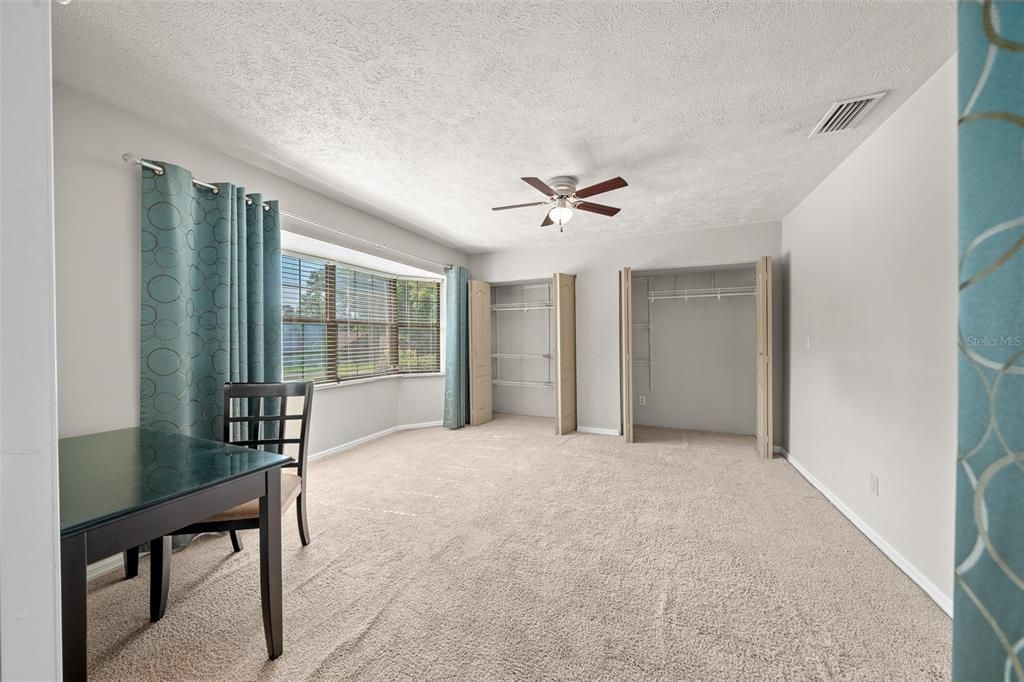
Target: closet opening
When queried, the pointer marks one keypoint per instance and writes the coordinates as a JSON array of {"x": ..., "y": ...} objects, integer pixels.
[
  {"x": 523, "y": 350},
  {"x": 697, "y": 344}
]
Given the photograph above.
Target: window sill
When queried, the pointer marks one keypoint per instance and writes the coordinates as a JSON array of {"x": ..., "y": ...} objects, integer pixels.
[{"x": 370, "y": 380}]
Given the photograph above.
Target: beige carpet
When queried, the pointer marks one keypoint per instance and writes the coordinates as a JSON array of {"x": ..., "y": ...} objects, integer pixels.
[{"x": 504, "y": 551}]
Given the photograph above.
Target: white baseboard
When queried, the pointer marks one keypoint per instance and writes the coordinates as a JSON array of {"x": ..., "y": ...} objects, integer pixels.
[
  {"x": 104, "y": 566},
  {"x": 373, "y": 436},
  {"x": 597, "y": 430},
  {"x": 944, "y": 601},
  {"x": 420, "y": 425}
]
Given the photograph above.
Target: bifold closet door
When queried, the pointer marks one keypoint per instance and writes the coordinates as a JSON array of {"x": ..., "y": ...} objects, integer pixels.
[
  {"x": 565, "y": 353},
  {"x": 479, "y": 353},
  {"x": 765, "y": 441},
  {"x": 626, "y": 351}
]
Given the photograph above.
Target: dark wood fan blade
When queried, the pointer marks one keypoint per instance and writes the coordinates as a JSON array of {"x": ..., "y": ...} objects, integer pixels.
[
  {"x": 505, "y": 208},
  {"x": 606, "y": 186},
  {"x": 597, "y": 208},
  {"x": 547, "y": 220},
  {"x": 540, "y": 185}
]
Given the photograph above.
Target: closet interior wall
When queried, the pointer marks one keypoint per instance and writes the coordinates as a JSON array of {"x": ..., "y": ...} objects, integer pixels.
[
  {"x": 694, "y": 359},
  {"x": 523, "y": 348}
]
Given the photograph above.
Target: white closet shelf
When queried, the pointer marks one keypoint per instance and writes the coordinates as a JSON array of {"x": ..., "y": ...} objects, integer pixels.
[
  {"x": 535, "y": 384},
  {"x": 685, "y": 294},
  {"x": 521, "y": 306},
  {"x": 538, "y": 356}
]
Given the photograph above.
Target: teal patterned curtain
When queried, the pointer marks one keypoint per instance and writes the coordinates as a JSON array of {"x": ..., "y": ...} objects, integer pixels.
[
  {"x": 211, "y": 299},
  {"x": 456, "y": 338},
  {"x": 988, "y": 624}
]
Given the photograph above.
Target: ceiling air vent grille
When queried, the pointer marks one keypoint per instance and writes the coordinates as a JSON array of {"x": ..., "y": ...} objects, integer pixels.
[{"x": 845, "y": 114}]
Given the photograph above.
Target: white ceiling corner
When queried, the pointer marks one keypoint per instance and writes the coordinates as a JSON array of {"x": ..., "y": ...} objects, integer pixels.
[{"x": 428, "y": 113}]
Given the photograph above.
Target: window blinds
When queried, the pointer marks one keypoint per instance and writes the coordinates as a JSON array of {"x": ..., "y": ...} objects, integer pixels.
[
  {"x": 418, "y": 325},
  {"x": 342, "y": 322}
]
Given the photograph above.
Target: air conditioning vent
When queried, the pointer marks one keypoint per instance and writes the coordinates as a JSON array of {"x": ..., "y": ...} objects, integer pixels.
[{"x": 845, "y": 114}]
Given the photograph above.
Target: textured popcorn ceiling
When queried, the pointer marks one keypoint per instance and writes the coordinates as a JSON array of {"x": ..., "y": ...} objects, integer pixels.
[{"x": 428, "y": 113}]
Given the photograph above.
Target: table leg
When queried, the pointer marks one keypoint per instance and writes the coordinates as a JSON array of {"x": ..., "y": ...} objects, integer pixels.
[
  {"x": 131, "y": 563},
  {"x": 270, "y": 563},
  {"x": 159, "y": 576},
  {"x": 74, "y": 629}
]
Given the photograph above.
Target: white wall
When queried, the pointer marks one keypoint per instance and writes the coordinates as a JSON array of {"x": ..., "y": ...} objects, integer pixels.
[
  {"x": 704, "y": 352},
  {"x": 29, "y": 524},
  {"x": 420, "y": 400},
  {"x": 97, "y": 215},
  {"x": 873, "y": 285},
  {"x": 596, "y": 265},
  {"x": 349, "y": 412}
]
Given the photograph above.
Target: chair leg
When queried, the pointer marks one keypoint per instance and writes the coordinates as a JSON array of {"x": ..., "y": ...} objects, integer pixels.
[
  {"x": 131, "y": 563},
  {"x": 236, "y": 542},
  {"x": 300, "y": 512}
]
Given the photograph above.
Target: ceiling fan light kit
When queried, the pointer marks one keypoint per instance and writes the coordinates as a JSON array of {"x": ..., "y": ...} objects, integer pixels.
[
  {"x": 560, "y": 213},
  {"x": 563, "y": 197}
]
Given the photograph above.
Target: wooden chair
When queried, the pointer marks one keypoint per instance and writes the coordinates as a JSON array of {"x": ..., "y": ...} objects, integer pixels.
[{"x": 248, "y": 428}]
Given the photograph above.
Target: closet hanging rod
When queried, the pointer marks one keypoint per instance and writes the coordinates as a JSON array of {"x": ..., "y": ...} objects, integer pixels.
[
  {"x": 530, "y": 356},
  {"x": 701, "y": 293},
  {"x": 135, "y": 160},
  {"x": 689, "y": 296},
  {"x": 707, "y": 290}
]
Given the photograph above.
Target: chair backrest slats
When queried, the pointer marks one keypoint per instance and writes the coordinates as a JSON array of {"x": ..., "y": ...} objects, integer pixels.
[
  {"x": 249, "y": 406},
  {"x": 254, "y": 427},
  {"x": 264, "y": 418},
  {"x": 271, "y": 441}
]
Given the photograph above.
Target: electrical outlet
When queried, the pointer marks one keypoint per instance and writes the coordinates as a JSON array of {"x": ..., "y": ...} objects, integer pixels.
[
  {"x": 643, "y": 400},
  {"x": 807, "y": 343},
  {"x": 874, "y": 484}
]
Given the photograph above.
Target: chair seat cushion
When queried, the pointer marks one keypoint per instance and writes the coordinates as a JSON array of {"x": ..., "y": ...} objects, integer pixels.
[{"x": 291, "y": 486}]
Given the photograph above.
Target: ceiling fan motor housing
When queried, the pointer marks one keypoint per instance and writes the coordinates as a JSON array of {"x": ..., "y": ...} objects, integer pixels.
[{"x": 564, "y": 185}]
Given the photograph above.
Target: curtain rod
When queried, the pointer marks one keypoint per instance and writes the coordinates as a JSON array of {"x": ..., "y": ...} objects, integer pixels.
[{"x": 135, "y": 160}]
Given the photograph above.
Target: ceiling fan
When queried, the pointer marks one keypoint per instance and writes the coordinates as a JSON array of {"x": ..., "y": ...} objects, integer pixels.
[{"x": 563, "y": 197}]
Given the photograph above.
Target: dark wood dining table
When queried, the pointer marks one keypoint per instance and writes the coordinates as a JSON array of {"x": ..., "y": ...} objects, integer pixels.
[{"x": 120, "y": 489}]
